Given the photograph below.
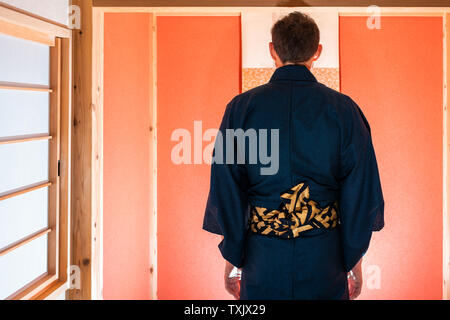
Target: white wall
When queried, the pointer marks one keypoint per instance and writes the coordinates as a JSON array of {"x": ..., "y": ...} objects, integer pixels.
[{"x": 56, "y": 10}]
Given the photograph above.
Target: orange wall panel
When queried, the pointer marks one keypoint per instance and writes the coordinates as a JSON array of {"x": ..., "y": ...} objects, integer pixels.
[
  {"x": 198, "y": 74},
  {"x": 127, "y": 156},
  {"x": 395, "y": 75}
]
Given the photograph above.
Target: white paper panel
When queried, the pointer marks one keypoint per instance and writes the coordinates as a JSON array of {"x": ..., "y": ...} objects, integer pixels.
[
  {"x": 20, "y": 267},
  {"x": 256, "y": 36},
  {"x": 22, "y": 216},
  {"x": 328, "y": 23},
  {"x": 23, "y": 113},
  {"x": 24, "y": 61},
  {"x": 23, "y": 164}
]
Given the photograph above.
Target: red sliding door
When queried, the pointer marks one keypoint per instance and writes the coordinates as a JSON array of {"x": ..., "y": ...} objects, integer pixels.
[
  {"x": 198, "y": 74},
  {"x": 127, "y": 156},
  {"x": 395, "y": 75}
]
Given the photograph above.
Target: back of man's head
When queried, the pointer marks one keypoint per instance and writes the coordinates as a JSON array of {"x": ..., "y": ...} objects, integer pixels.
[{"x": 295, "y": 38}]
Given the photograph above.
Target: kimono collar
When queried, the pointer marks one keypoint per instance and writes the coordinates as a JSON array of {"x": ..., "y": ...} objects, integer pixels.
[{"x": 293, "y": 72}]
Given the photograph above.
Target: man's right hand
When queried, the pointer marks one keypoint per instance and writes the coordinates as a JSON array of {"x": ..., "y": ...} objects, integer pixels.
[
  {"x": 232, "y": 285},
  {"x": 355, "y": 281}
]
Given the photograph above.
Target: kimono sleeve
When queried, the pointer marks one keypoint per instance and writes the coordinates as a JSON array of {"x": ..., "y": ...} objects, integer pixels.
[
  {"x": 227, "y": 208},
  {"x": 361, "y": 202}
]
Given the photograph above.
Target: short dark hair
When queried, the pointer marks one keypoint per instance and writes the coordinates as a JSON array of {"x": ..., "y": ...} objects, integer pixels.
[{"x": 295, "y": 37}]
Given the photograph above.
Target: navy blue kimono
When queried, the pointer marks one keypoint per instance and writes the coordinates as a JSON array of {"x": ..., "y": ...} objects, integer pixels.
[{"x": 296, "y": 233}]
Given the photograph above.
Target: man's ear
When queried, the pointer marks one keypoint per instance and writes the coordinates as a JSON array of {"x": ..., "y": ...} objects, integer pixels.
[
  {"x": 273, "y": 54},
  {"x": 318, "y": 53}
]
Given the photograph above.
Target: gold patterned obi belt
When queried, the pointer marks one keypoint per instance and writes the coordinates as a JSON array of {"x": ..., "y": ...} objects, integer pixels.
[{"x": 297, "y": 214}]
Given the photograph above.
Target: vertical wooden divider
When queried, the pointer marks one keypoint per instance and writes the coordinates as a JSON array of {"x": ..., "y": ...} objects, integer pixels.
[
  {"x": 54, "y": 156},
  {"x": 86, "y": 161}
]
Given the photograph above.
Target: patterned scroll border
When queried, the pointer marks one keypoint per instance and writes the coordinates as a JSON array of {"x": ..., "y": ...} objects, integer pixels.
[{"x": 253, "y": 77}]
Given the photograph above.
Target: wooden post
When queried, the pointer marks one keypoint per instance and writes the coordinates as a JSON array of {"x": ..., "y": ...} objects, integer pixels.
[
  {"x": 66, "y": 110},
  {"x": 85, "y": 204}
]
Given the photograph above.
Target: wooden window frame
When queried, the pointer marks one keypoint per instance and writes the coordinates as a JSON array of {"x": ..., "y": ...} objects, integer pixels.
[{"x": 18, "y": 24}]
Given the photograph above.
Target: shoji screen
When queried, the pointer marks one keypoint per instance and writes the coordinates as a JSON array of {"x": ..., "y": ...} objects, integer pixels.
[
  {"x": 28, "y": 163},
  {"x": 198, "y": 74},
  {"x": 395, "y": 75}
]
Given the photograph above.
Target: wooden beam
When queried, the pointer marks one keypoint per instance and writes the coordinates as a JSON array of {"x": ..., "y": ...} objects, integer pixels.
[
  {"x": 30, "y": 290},
  {"x": 54, "y": 157},
  {"x": 24, "y": 87},
  {"x": 4, "y": 141},
  {"x": 51, "y": 291},
  {"x": 33, "y": 15},
  {"x": 97, "y": 152},
  {"x": 25, "y": 21},
  {"x": 64, "y": 168},
  {"x": 84, "y": 194},
  {"x": 14, "y": 30},
  {"x": 81, "y": 193},
  {"x": 24, "y": 241},
  {"x": 237, "y": 11},
  {"x": 270, "y": 3},
  {"x": 405, "y": 12},
  {"x": 23, "y": 191}
]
